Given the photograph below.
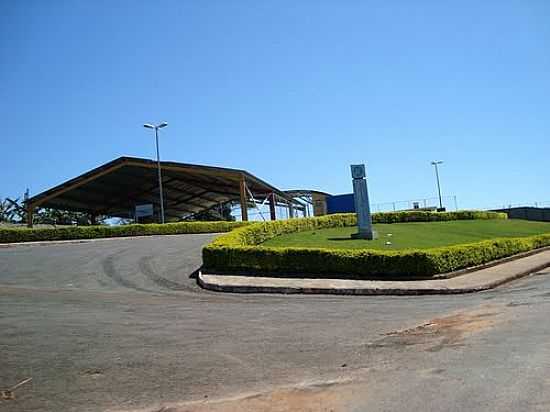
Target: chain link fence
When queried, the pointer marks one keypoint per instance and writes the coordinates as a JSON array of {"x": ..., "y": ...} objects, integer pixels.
[{"x": 449, "y": 202}]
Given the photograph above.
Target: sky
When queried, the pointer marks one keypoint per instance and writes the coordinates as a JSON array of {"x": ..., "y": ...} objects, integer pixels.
[{"x": 291, "y": 91}]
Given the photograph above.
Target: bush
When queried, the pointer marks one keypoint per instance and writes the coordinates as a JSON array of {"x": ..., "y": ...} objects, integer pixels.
[
  {"x": 11, "y": 235},
  {"x": 365, "y": 263},
  {"x": 423, "y": 216},
  {"x": 238, "y": 250}
]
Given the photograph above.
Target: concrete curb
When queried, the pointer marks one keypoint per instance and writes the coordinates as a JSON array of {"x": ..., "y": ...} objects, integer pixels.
[
  {"x": 97, "y": 239},
  {"x": 51, "y": 242},
  {"x": 475, "y": 281}
]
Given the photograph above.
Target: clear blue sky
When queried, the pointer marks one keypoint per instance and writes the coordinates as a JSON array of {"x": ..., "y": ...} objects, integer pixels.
[{"x": 291, "y": 91}]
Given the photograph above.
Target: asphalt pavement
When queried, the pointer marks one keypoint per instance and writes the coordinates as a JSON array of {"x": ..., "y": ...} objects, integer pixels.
[{"x": 120, "y": 324}]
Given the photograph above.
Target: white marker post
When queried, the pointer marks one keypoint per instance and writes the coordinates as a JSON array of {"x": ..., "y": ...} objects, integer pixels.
[{"x": 362, "y": 206}]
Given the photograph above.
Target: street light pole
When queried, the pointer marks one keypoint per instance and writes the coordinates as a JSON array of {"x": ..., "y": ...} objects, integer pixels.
[
  {"x": 435, "y": 164},
  {"x": 161, "y": 195}
]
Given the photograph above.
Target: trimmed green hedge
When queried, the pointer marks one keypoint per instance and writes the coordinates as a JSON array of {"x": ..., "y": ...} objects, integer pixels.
[
  {"x": 11, "y": 235},
  {"x": 237, "y": 251},
  {"x": 365, "y": 263},
  {"x": 422, "y": 216}
]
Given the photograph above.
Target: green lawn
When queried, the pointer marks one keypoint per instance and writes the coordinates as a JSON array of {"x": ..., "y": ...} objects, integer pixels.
[{"x": 421, "y": 235}]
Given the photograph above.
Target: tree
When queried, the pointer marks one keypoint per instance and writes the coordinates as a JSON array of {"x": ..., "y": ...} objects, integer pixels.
[
  {"x": 8, "y": 212},
  {"x": 64, "y": 217},
  {"x": 14, "y": 211}
]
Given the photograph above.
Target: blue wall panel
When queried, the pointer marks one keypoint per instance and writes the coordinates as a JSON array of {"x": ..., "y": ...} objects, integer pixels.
[{"x": 341, "y": 204}]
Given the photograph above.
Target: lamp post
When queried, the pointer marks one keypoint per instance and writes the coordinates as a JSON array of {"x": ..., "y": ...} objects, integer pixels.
[
  {"x": 156, "y": 129},
  {"x": 435, "y": 163}
]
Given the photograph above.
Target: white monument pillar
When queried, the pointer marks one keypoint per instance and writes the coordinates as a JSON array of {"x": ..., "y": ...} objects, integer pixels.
[{"x": 362, "y": 206}]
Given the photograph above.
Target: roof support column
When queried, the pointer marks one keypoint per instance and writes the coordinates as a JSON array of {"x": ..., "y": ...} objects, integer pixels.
[
  {"x": 244, "y": 203},
  {"x": 30, "y": 213},
  {"x": 272, "y": 206}
]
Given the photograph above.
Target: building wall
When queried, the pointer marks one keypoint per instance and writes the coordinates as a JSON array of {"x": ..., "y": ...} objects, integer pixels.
[
  {"x": 528, "y": 213},
  {"x": 319, "y": 204},
  {"x": 341, "y": 204}
]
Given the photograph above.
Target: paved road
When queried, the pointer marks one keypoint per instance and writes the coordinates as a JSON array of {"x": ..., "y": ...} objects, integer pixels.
[{"x": 121, "y": 325}]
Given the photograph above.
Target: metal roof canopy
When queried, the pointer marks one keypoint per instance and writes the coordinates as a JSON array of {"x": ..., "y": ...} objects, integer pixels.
[{"x": 115, "y": 188}]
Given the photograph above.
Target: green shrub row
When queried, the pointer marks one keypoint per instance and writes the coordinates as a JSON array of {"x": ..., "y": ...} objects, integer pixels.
[
  {"x": 260, "y": 231},
  {"x": 357, "y": 264},
  {"x": 12, "y": 235},
  {"x": 423, "y": 216},
  {"x": 237, "y": 251}
]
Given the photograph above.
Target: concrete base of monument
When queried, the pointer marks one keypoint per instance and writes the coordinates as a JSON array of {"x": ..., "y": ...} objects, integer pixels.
[{"x": 365, "y": 235}]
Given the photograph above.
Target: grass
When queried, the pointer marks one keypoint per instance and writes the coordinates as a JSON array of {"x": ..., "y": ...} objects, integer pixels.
[{"x": 421, "y": 235}]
